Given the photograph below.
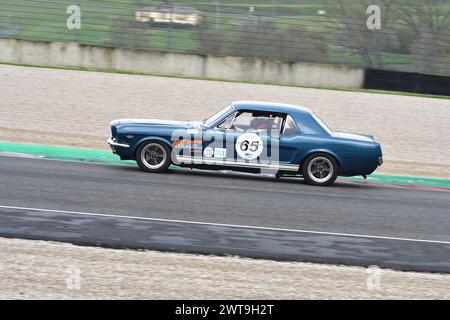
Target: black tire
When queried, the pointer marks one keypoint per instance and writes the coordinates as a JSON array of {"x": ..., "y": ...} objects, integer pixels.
[
  {"x": 153, "y": 156},
  {"x": 320, "y": 169}
]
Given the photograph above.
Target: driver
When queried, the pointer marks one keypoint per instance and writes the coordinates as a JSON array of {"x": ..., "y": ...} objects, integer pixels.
[{"x": 261, "y": 123}]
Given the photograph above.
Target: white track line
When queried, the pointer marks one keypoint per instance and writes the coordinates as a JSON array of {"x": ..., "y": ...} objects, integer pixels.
[{"x": 225, "y": 225}]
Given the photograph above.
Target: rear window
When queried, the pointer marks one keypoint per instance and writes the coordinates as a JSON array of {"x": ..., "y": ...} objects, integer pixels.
[{"x": 290, "y": 127}]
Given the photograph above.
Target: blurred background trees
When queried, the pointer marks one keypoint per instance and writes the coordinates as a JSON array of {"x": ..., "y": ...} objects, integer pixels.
[
  {"x": 414, "y": 34},
  {"x": 418, "y": 30}
]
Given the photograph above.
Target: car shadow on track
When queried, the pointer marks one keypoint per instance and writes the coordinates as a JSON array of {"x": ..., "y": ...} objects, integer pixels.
[{"x": 225, "y": 174}]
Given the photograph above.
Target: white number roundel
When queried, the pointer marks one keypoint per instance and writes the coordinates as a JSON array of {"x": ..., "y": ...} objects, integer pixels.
[{"x": 249, "y": 146}]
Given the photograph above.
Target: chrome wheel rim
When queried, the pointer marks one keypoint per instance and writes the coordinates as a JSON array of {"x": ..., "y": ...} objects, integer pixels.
[
  {"x": 320, "y": 169},
  {"x": 153, "y": 156}
]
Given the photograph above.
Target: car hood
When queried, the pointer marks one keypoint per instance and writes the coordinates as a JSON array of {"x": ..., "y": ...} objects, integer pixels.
[
  {"x": 352, "y": 136},
  {"x": 156, "y": 122}
]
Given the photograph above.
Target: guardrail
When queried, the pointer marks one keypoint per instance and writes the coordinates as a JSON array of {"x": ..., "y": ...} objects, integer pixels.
[{"x": 62, "y": 54}]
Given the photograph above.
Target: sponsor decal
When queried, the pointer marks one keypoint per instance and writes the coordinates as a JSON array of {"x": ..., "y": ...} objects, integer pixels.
[
  {"x": 249, "y": 146},
  {"x": 192, "y": 131},
  {"x": 194, "y": 145},
  {"x": 220, "y": 152},
  {"x": 208, "y": 152}
]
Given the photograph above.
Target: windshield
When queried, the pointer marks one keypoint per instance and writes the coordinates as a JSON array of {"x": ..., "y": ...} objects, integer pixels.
[
  {"x": 322, "y": 124},
  {"x": 211, "y": 120}
]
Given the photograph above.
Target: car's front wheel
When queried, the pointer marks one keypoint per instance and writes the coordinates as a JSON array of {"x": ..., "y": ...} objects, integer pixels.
[
  {"x": 320, "y": 169},
  {"x": 153, "y": 156}
]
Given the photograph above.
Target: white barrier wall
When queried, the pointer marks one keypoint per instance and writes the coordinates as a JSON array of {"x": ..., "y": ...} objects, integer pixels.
[{"x": 61, "y": 54}]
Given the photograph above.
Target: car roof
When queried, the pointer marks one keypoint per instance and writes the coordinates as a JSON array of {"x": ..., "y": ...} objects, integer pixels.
[{"x": 269, "y": 106}]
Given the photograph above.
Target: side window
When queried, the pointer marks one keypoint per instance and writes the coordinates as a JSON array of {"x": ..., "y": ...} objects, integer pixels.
[
  {"x": 290, "y": 127},
  {"x": 242, "y": 121},
  {"x": 257, "y": 121}
]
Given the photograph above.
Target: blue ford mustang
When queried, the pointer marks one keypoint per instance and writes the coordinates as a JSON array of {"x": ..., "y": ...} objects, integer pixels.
[{"x": 252, "y": 137}]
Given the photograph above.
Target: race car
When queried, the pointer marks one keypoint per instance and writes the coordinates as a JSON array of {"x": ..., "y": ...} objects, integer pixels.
[{"x": 249, "y": 136}]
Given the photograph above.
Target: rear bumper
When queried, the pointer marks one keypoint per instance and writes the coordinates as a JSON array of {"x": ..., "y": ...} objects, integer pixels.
[{"x": 380, "y": 161}]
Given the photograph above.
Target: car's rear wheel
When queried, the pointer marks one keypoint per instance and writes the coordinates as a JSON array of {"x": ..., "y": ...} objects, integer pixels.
[
  {"x": 320, "y": 169},
  {"x": 153, "y": 156}
]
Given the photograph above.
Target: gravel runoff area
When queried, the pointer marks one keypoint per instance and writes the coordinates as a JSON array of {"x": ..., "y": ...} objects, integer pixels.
[
  {"x": 74, "y": 108},
  {"x": 48, "y": 270}
]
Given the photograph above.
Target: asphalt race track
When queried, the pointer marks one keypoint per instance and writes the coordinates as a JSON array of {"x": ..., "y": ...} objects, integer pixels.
[{"x": 217, "y": 213}]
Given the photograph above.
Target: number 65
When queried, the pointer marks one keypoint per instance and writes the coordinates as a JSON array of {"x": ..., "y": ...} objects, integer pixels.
[{"x": 245, "y": 145}]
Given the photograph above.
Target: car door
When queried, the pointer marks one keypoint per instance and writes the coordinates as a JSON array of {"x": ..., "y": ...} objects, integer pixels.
[{"x": 252, "y": 139}]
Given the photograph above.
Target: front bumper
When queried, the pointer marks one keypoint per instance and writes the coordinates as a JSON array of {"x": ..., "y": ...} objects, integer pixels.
[{"x": 113, "y": 143}]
